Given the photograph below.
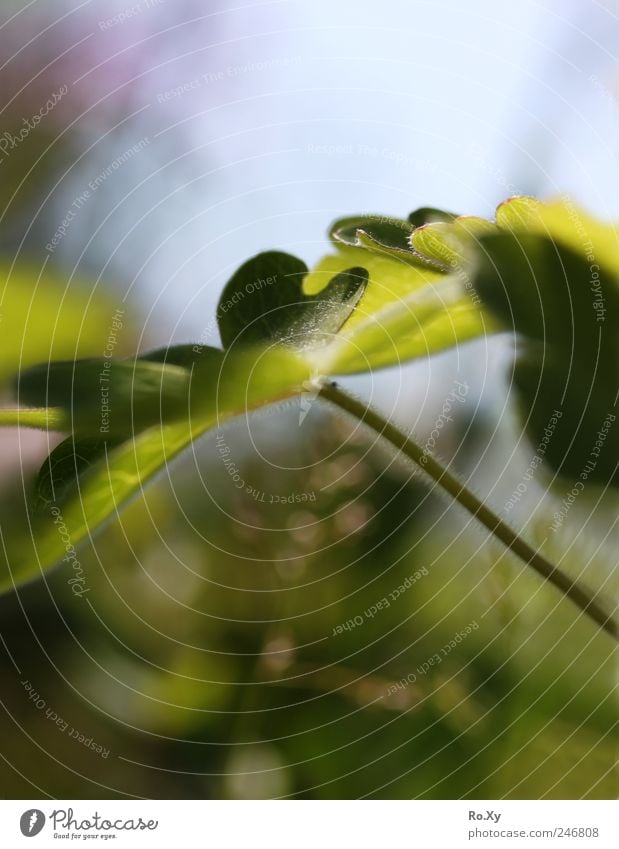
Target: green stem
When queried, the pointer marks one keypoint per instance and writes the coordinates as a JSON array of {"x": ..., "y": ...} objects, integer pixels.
[
  {"x": 579, "y": 595},
  {"x": 44, "y": 418}
]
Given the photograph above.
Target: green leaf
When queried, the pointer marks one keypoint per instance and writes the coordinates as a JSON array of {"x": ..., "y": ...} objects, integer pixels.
[
  {"x": 548, "y": 272},
  {"x": 387, "y": 236},
  {"x": 407, "y": 311},
  {"x": 91, "y": 480},
  {"x": 377, "y": 302},
  {"x": 428, "y": 215},
  {"x": 45, "y": 419},
  {"x": 108, "y": 397},
  {"x": 450, "y": 243},
  {"x": 568, "y": 361},
  {"x": 567, "y": 225},
  {"x": 265, "y": 301},
  {"x": 64, "y": 465},
  {"x": 44, "y": 317},
  {"x": 186, "y": 356},
  {"x": 369, "y": 230}
]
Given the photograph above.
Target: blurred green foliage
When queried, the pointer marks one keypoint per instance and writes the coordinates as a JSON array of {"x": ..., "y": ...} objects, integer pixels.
[
  {"x": 46, "y": 315},
  {"x": 208, "y": 655}
]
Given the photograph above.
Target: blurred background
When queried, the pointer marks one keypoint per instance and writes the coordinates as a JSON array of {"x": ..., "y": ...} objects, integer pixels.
[{"x": 231, "y": 646}]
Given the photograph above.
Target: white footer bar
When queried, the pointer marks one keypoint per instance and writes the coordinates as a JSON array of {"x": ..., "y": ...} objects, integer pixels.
[{"x": 300, "y": 824}]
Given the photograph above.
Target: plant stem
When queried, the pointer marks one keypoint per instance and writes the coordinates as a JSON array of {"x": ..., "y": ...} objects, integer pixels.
[
  {"x": 579, "y": 595},
  {"x": 44, "y": 418}
]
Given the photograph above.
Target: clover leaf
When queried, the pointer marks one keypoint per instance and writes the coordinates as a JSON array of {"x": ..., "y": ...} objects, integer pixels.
[
  {"x": 550, "y": 274},
  {"x": 374, "y": 303},
  {"x": 265, "y": 301},
  {"x": 390, "y": 290},
  {"x": 88, "y": 479}
]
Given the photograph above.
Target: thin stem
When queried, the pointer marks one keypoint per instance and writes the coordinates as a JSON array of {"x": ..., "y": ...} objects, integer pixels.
[
  {"x": 43, "y": 418},
  {"x": 579, "y": 595}
]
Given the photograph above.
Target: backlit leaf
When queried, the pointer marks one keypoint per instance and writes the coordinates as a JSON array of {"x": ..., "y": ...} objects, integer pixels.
[
  {"x": 265, "y": 301},
  {"x": 84, "y": 484},
  {"x": 114, "y": 397},
  {"x": 44, "y": 318},
  {"x": 568, "y": 358}
]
